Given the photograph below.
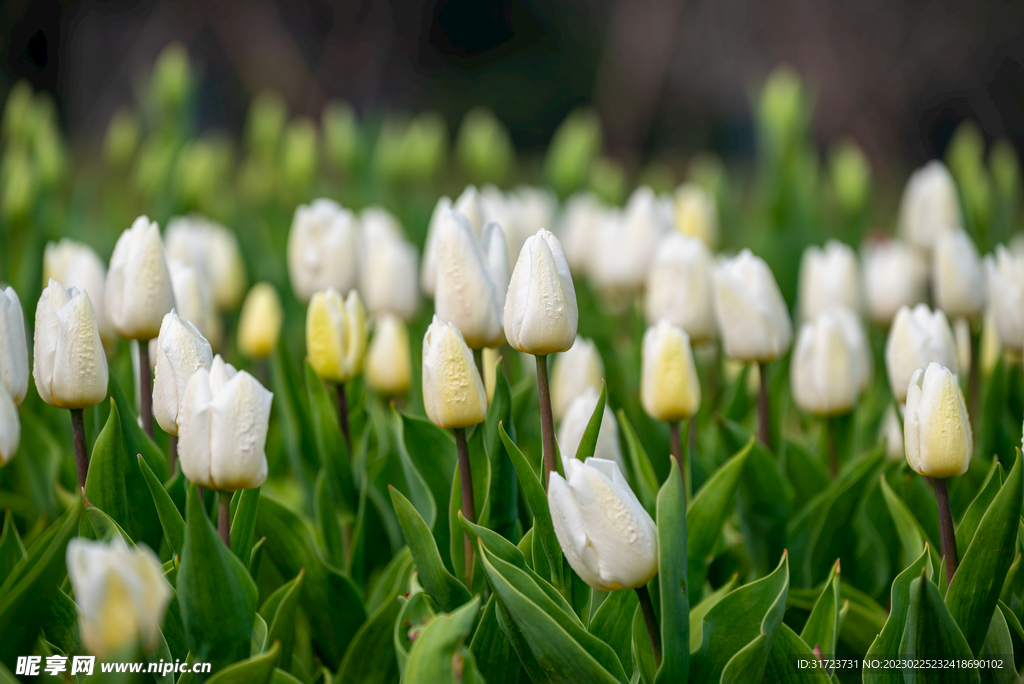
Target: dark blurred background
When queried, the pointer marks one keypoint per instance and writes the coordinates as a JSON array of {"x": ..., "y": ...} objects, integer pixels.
[{"x": 897, "y": 77}]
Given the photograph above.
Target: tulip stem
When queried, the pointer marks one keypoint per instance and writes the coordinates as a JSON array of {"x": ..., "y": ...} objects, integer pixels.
[
  {"x": 946, "y": 530},
  {"x": 682, "y": 456},
  {"x": 547, "y": 423},
  {"x": 343, "y": 417},
  {"x": 172, "y": 454},
  {"x": 81, "y": 455},
  {"x": 468, "y": 502},
  {"x": 763, "y": 408},
  {"x": 647, "y": 608},
  {"x": 224, "y": 517},
  {"x": 145, "y": 388},
  {"x": 832, "y": 446}
]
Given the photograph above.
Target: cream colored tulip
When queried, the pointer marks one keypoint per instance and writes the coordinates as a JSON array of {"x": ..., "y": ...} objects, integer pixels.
[
  {"x": 930, "y": 205},
  {"x": 213, "y": 250},
  {"x": 680, "y": 287},
  {"x": 181, "y": 351},
  {"x": 192, "y": 301},
  {"x": 388, "y": 362},
  {"x": 1005, "y": 275},
  {"x": 991, "y": 349},
  {"x": 894, "y": 276},
  {"x": 831, "y": 363},
  {"x": 645, "y": 221},
  {"x": 490, "y": 358},
  {"x": 428, "y": 271},
  {"x": 468, "y": 204},
  {"x": 13, "y": 347},
  {"x": 696, "y": 213},
  {"x": 69, "y": 368},
  {"x": 259, "y": 324},
  {"x": 138, "y": 291},
  {"x": 752, "y": 317},
  {"x": 574, "y": 372},
  {"x": 607, "y": 270},
  {"x": 336, "y": 335},
  {"x": 322, "y": 249},
  {"x": 936, "y": 429},
  {"x": 574, "y": 424},
  {"x": 76, "y": 264},
  {"x": 581, "y": 219},
  {"x": 669, "y": 386},
  {"x": 388, "y": 275},
  {"x": 453, "y": 392},
  {"x": 534, "y": 208},
  {"x": 958, "y": 277},
  {"x": 121, "y": 594},
  {"x": 10, "y": 427},
  {"x": 890, "y": 432},
  {"x": 829, "y": 277},
  {"x": 495, "y": 248},
  {"x": 540, "y": 309},
  {"x": 917, "y": 337}
]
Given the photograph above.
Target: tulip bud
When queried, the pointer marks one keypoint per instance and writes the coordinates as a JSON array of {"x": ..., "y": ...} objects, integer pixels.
[
  {"x": 212, "y": 249},
  {"x": 645, "y": 220},
  {"x": 936, "y": 429},
  {"x": 70, "y": 368},
  {"x": 540, "y": 309},
  {"x": 465, "y": 294},
  {"x": 13, "y": 347},
  {"x": 918, "y": 337},
  {"x": 389, "y": 263},
  {"x": 828, "y": 278},
  {"x": 341, "y": 134},
  {"x": 468, "y": 204},
  {"x": 577, "y": 417},
  {"x": 181, "y": 351},
  {"x": 483, "y": 146},
  {"x": 607, "y": 536},
  {"x": 453, "y": 392},
  {"x": 929, "y": 205},
  {"x": 679, "y": 287},
  {"x": 575, "y": 144},
  {"x": 192, "y": 302},
  {"x": 958, "y": 279},
  {"x": 574, "y": 372},
  {"x": 10, "y": 427},
  {"x": 751, "y": 313},
  {"x": 388, "y": 363},
  {"x": 891, "y": 434},
  {"x": 990, "y": 348},
  {"x": 259, "y": 324},
  {"x": 336, "y": 335},
  {"x": 122, "y": 138},
  {"x": 1005, "y": 271},
  {"x": 831, "y": 363},
  {"x": 322, "y": 249},
  {"x": 299, "y": 153},
  {"x": 534, "y": 208},
  {"x": 495, "y": 249},
  {"x": 696, "y": 213},
  {"x": 121, "y": 594},
  {"x": 583, "y": 214},
  {"x": 669, "y": 386},
  {"x": 428, "y": 272},
  {"x": 222, "y": 428},
  {"x": 78, "y": 265},
  {"x": 490, "y": 358},
  {"x": 138, "y": 290},
  {"x": 894, "y": 276},
  {"x": 607, "y": 270}
]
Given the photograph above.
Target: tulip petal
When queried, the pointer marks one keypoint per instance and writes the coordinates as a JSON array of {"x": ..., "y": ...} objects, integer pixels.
[
  {"x": 239, "y": 416},
  {"x": 80, "y": 364},
  {"x": 571, "y": 530}
]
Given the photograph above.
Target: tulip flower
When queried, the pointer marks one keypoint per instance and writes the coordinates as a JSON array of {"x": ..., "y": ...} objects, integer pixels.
[
  {"x": 829, "y": 278},
  {"x": 929, "y": 206},
  {"x": 454, "y": 398},
  {"x": 69, "y": 368},
  {"x": 192, "y": 301},
  {"x": 541, "y": 318},
  {"x": 583, "y": 213},
  {"x": 696, "y": 214},
  {"x": 468, "y": 204},
  {"x": 608, "y": 271},
  {"x": 322, "y": 249},
  {"x": 1005, "y": 274},
  {"x": 388, "y": 266},
  {"x": 752, "y": 320},
  {"x": 577, "y": 417},
  {"x": 138, "y": 294},
  {"x": 990, "y": 346},
  {"x": 213, "y": 250},
  {"x": 573, "y": 373},
  {"x": 679, "y": 287},
  {"x": 121, "y": 594},
  {"x": 388, "y": 363},
  {"x": 428, "y": 270},
  {"x": 464, "y": 293},
  {"x": 938, "y": 441},
  {"x": 894, "y": 276},
  {"x": 957, "y": 275},
  {"x": 13, "y": 347},
  {"x": 918, "y": 337},
  {"x": 645, "y": 220},
  {"x": 336, "y": 343},
  {"x": 259, "y": 324},
  {"x": 77, "y": 265},
  {"x": 495, "y": 248},
  {"x": 10, "y": 427}
]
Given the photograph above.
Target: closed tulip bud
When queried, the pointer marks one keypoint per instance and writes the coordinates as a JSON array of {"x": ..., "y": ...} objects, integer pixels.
[
  {"x": 490, "y": 359},
  {"x": 679, "y": 287},
  {"x": 990, "y": 346},
  {"x": 13, "y": 347},
  {"x": 181, "y": 351},
  {"x": 388, "y": 363},
  {"x": 751, "y": 313},
  {"x": 957, "y": 275},
  {"x": 831, "y": 364},
  {"x": 669, "y": 386},
  {"x": 894, "y": 276},
  {"x": 192, "y": 300},
  {"x": 259, "y": 324},
  {"x": 607, "y": 270},
  {"x": 918, "y": 337},
  {"x": 574, "y": 372},
  {"x": 469, "y": 205},
  {"x": 583, "y": 214},
  {"x": 534, "y": 208},
  {"x": 138, "y": 290},
  {"x": 645, "y": 220},
  {"x": 1005, "y": 271},
  {"x": 829, "y": 277},
  {"x": 212, "y": 249},
  {"x": 222, "y": 428},
  {"x": 540, "y": 309},
  {"x": 77, "y": 265},
  {"x": 388, "y": 279},
  {"x": 495, "y": 249},
  {"x": 336, "y": 335},
  {"x": 607, "y": 536},
  {"x": 428, "y": 270},
  {"x": 891, "y": 434},
  {"x": 574, "y": 424},
  {"x": 465, "y": 294},
  {"x": 121, "y": 594},
  {"x": 453, "y": 392},
  {"x": 936, "y": 429},
  {"x": 322, "y": 249},
  {"x": 696, "y": 214},
  {"x": 10, "y": 427},
  {"x": 929, "y": 205},
  {"x": 70, "y": 368}
]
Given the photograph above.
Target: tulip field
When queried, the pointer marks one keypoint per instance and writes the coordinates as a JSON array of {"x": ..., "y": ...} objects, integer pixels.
[{"x": 360, "y": 400}]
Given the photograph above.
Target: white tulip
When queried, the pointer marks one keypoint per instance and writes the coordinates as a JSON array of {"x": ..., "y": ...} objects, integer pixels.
[
  {"x": 958, "y": 278},
  {"x": 696, "y": 213},
  {"x": 534, "y": 208},
  {"x": 540, "y": 309},
  {"x": 936, "y": 429},
  {"x": 428, "y": 271},
  {"x": 192, "y": 301},
  {"x": 917, "y": 337},
  {"x": 388, "y": 274},
  {"x": 831, "y": 363},
  {"x": 608, "y": 270},
  {"x": 212, "y": 249},
  {"x": 495, "y": 248},
  {"x": 574, "y": 424},
  {"x": 13, "y": 346},
  {"x": 69, "y": 368},
  {"x": 669, "y": 385},
  {"x": 1005, "y": 271},
  {"x": 752, "y": 317},
  {"x": 388, "y": 363},
  {"x": 890, "y": 432},
  {"x": 574, "y": 372},
  {"x": 322, "y": 249},
  {"x": 680, "y": 287},
  {"x": 76, "y": 264},
  {"x": 453, "y": 391},
  {"x": 894, "y": 276},
  {"x": 10, "y": 427},
  {"x": 829, "y": 277},
  {"x": 181, "y": 351},
  {"x": 583, "y": 214},
  {"x": 138, "y": 290},
  {"x": 222, "y": 428},
  {"x": 645, "y": 222},
  {"x": 468, "y": 204},
  {"x": 929, "y": 206},
  {"x": 607, "y": 536}
]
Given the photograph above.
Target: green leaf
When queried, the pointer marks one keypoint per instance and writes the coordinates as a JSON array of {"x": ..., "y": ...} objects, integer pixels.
[
  {"x": 243, "y": 523},
  {"x": 105, "y": 484},
  {"x": 495, "y": 657},
  {"x": 480, "y": 473},
  {"x": 912, "y": 536},
  {"x": 439, "y": 583},
  {"x": 209, "y": 590},
  {"x": 643, "y": 655},
  {"x": 822, "y": 627},
  {"x": 392, "y": 582},
  {"x": 698, "y": 612},
  {"x": 279, "y": 613},
  {"x": 496, "y": 544},
  {"x": 1016, "y": 634},
  {"x": 503, "y": 497},
  {"x": 11, "y": 548},
  {"x": 167, "y": 512},
  {"x": 974, "y": 591},
  {"x": 256, "y": 670},
  {"x": 806, "y": 473},
  {"x": 419, "y": 492},
  {"x": 415, "y": 613},
  {"x": 999, "y": 647},
  {"x": 931, "y": 631},
  {"x": 643, "y": 472},
  {"x": 976, "y": 511},
  {"x": 432, "y": 656},
  {"x": 334, "y": 456},
  {"x": 370, "y": 658},
  {"x": 672, "y": 582},
  {"x": 589, "y": 440},
  {"x": 104, "y": 527},
  {"x": 532, "y": 669},
  {"x": 613, "y": 622},
  {"x": 258, "y": 638},
  {"x": 787, "y": 650},
  {"x": 327, "y": 526}
]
